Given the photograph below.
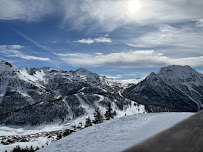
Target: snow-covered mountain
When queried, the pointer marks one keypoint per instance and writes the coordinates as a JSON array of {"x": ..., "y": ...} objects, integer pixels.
[
  {"x": 38, "y": 95},
  {"x": 42, "y": 95},
  {"x": 173, "y": 87}
]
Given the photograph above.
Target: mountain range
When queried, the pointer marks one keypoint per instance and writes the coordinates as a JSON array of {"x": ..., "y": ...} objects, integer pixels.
[
  {"x": 42, "y": 95},
  {"x": 37, "y": 95}
]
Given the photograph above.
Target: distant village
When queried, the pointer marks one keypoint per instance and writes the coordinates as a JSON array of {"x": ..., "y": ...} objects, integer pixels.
[
  {"x": 53, "y": 135},
  {"x": 58, "y": 134}
]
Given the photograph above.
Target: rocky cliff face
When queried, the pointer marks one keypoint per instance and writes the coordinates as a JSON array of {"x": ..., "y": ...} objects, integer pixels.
[
  {"x": 42, "y": 95},
  {"x": 174, "y": 87}
]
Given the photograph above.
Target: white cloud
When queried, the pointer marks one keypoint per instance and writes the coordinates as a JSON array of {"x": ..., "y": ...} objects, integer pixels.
[
  {"x": 27, "y": 57},
  {"x": 113, "y": 14},
  {"x": 113, "y": 77},
  {"x": 102, "y": 14},
  {"x": 96, "y": 40},
  {"x": 137, "y": 74},
  {"x": 88, "y": 41},
  {"x": 12, "y": 51},
  {"x": 170, "y": 36},
  {"x": 142, "y": 58},
  {"x": 99, "y": 53},
  {"x": 172, "y": 41},
  {"x": 131, "y": 74},
  {"x": 66, "y": 54},
  {"x": 15, "y": 46},
  {"x": 199, "y": 23},
  {"x": 2, "y": 47},
  {"x": 102, "y": 40}
]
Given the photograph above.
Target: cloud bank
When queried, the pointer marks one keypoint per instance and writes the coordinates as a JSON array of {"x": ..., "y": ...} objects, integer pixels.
[
  {"x": 173, "y": 41},
  {"x": 141, "y": 58},
  {"x": 105, "y": 14},
  {"x": 171, "y": 36}
]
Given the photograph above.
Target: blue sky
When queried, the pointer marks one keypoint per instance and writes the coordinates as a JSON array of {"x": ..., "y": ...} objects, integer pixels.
[{"x": 123, "y": 39}]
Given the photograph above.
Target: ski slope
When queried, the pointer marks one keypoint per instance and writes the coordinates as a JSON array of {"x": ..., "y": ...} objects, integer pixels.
[{"x": 117, "y": 134}]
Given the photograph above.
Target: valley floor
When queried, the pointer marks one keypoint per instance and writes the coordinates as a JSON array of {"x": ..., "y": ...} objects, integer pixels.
[{"x": 117, "y": 134}]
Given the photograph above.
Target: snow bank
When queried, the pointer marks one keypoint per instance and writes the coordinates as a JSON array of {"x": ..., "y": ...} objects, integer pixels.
[{"x": 117, "y": 134}]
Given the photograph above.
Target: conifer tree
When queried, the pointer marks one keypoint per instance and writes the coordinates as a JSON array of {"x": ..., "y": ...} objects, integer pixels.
[
  {"x": 37, "y": 148},
  {"x": 109, "y": 112},
  {"x": 98, "y": 118},
  {"x": 31, "y": 149},
  {"x": 59, "y": 136},
  {"x": 88, "y": 122},
  {"x": 17, "y": 149},
  {"x": 66, "y": 132}
]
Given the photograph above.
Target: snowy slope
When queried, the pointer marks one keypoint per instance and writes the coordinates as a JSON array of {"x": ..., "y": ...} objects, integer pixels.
[
  {"x": 128, "y": 82},
  {"x": 117, "y": 134}
]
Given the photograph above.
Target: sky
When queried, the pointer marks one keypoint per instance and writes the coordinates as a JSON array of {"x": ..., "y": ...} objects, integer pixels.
[{"x": 121, "y": 39}]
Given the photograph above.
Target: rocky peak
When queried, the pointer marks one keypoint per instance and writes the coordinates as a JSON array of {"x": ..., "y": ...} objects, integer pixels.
[
  {"x": 83, "y": 71},
  {"x": 6, "y": 63},
  {"x": 177, "y": 74},
  {"x": 177, "y": 70},
  {"x": 88, "y": 75},
  {"x": 5, "y": 66}
]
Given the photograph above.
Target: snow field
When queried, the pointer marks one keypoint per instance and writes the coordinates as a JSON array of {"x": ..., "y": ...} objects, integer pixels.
[{"x": 117, "y": 134}]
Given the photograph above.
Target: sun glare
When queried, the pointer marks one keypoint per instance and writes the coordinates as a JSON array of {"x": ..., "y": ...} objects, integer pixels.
[{"x": 134, "y": 6}]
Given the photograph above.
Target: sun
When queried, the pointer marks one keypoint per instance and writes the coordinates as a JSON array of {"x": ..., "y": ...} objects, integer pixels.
[{"x": 134, "y": 6}]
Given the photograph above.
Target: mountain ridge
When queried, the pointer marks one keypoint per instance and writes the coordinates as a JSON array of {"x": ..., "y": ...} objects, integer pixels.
[
  {"x": 43, "y": 95},
  {"x": 174, "y": 86}
]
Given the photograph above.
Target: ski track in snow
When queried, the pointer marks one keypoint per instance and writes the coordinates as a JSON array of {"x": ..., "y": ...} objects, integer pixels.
[{"x": 117, "y": 134}]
